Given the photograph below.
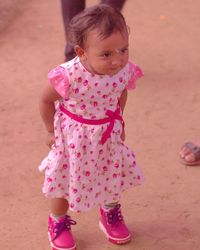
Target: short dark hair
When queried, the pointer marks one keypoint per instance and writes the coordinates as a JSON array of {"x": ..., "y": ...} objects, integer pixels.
[{"x": 102, "y": 17}]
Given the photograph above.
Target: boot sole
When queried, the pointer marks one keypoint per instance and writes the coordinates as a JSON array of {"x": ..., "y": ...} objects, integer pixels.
[
  {"x": 60, "y": 248},
  {"x": 112, "y": 239}
]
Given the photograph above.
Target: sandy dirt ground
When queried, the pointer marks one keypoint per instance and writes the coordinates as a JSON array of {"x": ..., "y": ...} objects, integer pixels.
[{"x": 161, "y": 114}]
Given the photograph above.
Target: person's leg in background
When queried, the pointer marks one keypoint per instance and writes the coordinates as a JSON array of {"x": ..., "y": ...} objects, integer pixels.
[
  {"x": 69, "y": 9},
  {"x": 118, "y": 4}
]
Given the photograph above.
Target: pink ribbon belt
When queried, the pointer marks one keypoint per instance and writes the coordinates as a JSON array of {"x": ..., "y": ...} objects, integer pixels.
[{"x": 112, "y": 116}]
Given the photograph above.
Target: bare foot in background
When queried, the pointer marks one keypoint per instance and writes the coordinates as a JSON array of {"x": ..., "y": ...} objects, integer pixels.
[{"x": 190, "y": 153}]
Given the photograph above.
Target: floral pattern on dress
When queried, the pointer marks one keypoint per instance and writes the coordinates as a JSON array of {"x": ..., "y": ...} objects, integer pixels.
[{"x": 78, "y": 167}]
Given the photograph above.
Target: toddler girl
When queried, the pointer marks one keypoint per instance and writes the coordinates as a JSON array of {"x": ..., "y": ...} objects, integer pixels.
[{"x": 82, "y": 108}]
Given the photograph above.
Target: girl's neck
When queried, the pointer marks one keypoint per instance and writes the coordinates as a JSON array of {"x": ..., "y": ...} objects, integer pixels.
[{"x": 88, "y": 67}]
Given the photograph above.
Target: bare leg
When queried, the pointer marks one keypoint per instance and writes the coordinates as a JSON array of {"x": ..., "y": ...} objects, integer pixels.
[{"x": 59, "y": 206}]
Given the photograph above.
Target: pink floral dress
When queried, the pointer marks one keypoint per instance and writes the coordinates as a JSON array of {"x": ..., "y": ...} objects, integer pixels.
[{"x": 80, "y": 168}]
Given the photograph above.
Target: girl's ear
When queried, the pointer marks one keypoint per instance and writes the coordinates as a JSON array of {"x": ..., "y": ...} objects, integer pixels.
[{"x": 80, "y": 52}]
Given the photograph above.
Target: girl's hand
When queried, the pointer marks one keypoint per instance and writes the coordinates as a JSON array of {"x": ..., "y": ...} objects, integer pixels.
[
  {"x": 50, "y": 139},
  {"x": 123, "y": 134}
]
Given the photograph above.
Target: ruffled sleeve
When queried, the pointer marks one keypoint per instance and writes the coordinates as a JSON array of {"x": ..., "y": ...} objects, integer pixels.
[
  {"x": 59, "y": 80},
  {"x": 135, "y": 72}
]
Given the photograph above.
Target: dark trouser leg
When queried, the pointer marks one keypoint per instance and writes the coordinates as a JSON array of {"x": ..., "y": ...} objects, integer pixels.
[
  {"x": 69, "y": 9},
  {"x": 114, "y": 3}
]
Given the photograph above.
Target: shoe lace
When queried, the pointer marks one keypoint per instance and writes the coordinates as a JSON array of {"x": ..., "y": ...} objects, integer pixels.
[
  {"x": 62, "y": 225},
  {"x": 114, "y": 215}
]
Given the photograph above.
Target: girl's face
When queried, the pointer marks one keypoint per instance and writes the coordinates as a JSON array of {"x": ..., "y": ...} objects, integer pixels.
[{"x": 105, "y": 56}]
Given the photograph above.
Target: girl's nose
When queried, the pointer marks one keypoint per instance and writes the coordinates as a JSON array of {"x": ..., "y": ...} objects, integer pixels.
[
  {"x": 117, "y": 59},
  {"x": 116, "y": 62}
]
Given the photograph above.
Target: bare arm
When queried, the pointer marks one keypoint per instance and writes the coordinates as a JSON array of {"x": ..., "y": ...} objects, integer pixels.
[
  {"x": 123, "y": 99},
  {"x": 47, "y": 110},
  {"x": 122, "y": 102}
]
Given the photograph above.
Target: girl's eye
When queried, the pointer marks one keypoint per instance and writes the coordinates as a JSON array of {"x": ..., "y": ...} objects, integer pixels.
[
  {"x": 106, "y": 54},
  {"x": 123, "y": 50}
]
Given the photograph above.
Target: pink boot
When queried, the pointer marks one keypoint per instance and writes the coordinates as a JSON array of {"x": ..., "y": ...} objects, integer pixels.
[
  {"x": 60, "y": 235},
  {"x": 112, "y": 224}
]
